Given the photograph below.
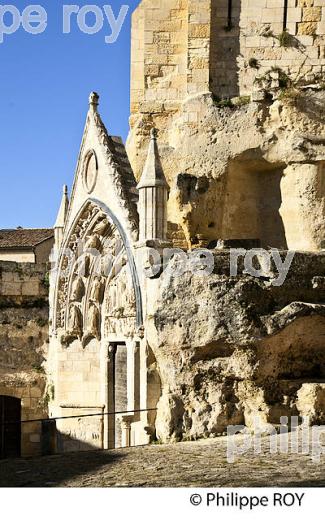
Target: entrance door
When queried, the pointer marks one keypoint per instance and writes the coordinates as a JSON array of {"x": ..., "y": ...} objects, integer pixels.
[
  {"x": 10, "y": 429},
  {"x": 120, "y": 390}
]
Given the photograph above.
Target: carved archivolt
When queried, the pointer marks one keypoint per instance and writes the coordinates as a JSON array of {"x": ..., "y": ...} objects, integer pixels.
[{"x": 96, "y": 292}]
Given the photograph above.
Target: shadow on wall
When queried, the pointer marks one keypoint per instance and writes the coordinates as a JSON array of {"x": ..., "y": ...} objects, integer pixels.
[
  {"x": 252, "y": 202},
  {"x": 225, "y": 48},
  {"x": 313, "y": 106}
]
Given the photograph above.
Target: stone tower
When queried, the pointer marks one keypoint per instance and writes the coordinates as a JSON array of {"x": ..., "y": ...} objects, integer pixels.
[
  {"x": 185, "y": 47},
  {"x": 235, "y": 89}
]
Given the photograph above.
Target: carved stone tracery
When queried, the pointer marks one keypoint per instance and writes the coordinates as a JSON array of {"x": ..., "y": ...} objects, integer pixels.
[{"x": 95, "y": 291}]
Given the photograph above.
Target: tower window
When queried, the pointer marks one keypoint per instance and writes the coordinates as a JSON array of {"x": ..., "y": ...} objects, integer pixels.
[
  {"x": 229, "y": 20},
  {"x": 285, "y": 15}
]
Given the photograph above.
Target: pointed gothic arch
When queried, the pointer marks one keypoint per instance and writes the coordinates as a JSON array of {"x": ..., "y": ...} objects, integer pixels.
[{"x": 95, "y": 254}]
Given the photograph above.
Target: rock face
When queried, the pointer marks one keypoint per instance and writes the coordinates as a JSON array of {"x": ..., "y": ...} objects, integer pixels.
[
  {"x": 311, "y": 402},
  {"x": 251, "y": 171},
  {"x": 240, "y": 348}
]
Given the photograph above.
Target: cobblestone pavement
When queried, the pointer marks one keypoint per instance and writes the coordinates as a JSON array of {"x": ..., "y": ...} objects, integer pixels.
[{"x": 188, "y": 464}]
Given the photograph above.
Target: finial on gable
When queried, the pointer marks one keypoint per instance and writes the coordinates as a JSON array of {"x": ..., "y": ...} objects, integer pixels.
[
  {"x": 61, "y": 218},
  {"x": 94, "y": 100}
]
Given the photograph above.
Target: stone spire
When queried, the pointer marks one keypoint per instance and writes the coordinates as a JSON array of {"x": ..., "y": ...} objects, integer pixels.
[
  {"x": 153, "y": 175},
  {"x": 61, "y": 218},
  {"x": 153, "y": 195}
]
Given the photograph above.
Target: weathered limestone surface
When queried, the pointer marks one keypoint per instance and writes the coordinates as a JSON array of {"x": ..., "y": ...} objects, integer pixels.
[
  {"x": 239, "y": 348},
  {"x": 252, "y": 171},
  {"x": 24, "y": 313},
  {"x": 311, "y": 402}
]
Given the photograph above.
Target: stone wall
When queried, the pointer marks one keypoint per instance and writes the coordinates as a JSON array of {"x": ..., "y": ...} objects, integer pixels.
[
  {"x": 222, "y": 156},
  {"x": 17, "y": 256},
  {"x": 186, "y": 47},
  {"x": 43, "y": 251},
  {"x": 159, "y": 44},
  {"x": 23, "y": 345},
  {"x": 255, "y": 42},
  {"x": 76, "y": 377}
]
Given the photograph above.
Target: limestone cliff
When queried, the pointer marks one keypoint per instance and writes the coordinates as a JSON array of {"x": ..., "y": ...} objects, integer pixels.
[{"x": 239, "y": 348}]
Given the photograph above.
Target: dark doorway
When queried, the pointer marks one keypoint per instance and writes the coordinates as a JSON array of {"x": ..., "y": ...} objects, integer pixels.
[
  {"x": 120, "y": 389},
  {"x": 10, "y": 428},
  {"x": 118, "y": 392},
  {"x": 48, "y": 437}
]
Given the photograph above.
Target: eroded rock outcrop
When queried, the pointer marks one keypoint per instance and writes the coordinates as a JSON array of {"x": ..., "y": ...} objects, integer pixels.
[
  {"x": 230, "y": 349},
  {"x": 247, "y": 171}
]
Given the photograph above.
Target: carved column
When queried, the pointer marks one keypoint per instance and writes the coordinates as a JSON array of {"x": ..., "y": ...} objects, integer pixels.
[{"x": 126, "y": 431}]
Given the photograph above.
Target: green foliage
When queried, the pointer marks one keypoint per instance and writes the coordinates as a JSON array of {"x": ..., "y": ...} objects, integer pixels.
[
  {"x": 241, "y": 101},
  {"x": 290, "y": 95},
  {"x": 39, "y": 303},
  {"x": 18, "y": 270},
  {"x": 38, "y": 368},
  {"x": 41, "y": 322},
  {"x": 231, "y": 103},
  {"x": 50, "y": 394},
  {"x": 46, "y": 280},
  {"x": 254, "y": 63},
  {"x": 284, "y": 39},
  {"x": 223, "y": 103}
]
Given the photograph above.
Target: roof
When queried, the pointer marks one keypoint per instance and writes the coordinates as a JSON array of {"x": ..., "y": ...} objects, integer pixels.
[{"x": 23, "y": 238}]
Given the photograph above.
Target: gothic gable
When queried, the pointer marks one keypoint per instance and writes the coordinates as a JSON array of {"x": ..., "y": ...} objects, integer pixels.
[{"x": 103, "y": 172}]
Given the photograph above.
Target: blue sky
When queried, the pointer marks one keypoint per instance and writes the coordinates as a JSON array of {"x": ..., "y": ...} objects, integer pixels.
[{"x": 45, "y": 81}]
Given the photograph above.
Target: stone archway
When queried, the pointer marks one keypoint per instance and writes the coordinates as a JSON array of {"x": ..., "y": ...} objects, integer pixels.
[
  {"x": 93, "y": 257},
  {"x": 97, "y": 303}
]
